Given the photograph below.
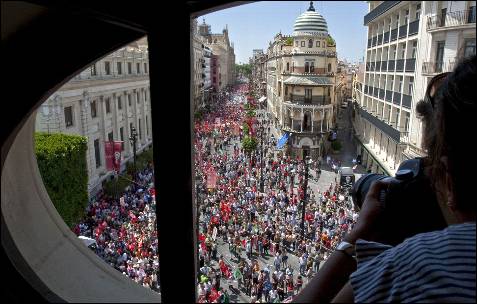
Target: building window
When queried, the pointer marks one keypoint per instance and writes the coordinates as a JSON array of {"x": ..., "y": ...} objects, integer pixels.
[
  {"x": 108, "y": 105},
  {"x": 97, "y": 155},
  {"x": 288, "y": 66},
  {"x": 317, "y": 43},
  {"x": 120, "y": 68},
  {"x": 110, "y": 136},
  {"x": 310, "y": 43},
  {"x": 307, "y": 67},
  {"x": 93, "y": 109},
  {"x": 93, "y": 69},
  {"x": 120, "y": 103},
  {"x": 400, "y": 84},
  {"x": 107, "y": 67},
  {"x": 286, "y": 90},
  {"x": 68, "y": 116},
  {"x": 406, "y": 17},
  {"x": 145, "y": 67},
  {"x": 418, "y": 11},
  {"x": 303, "y": 43},
  {"x": 414, "y": 49},
  {"x": 411, "y": 84},
  {"x": 138, "y": 68},
  {"x": 329, "y": 67},
  {"x": 469, "y": 47},
  {"x": 312, "y": 67},
  {"x": 129, "y": 68},
  {"x": 129, "y": 99},
  {"x": 121, "y": 136},
  {"x": 147, "y": 127},
  {"x": 137, "y": 97}
]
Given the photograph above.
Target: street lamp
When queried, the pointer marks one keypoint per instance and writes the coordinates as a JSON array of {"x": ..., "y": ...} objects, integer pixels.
[
  {"x": 306, "y": 161},
  {"x": 133, "y": 139}
]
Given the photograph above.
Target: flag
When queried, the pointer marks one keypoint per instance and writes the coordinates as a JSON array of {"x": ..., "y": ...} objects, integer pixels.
[
  {"x": 282, "y": 141},
  {"x": 109, "y": 155}
]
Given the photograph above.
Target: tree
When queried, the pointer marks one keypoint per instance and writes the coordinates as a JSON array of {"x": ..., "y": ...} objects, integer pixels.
[
  {"x": 249, "y": 144},
  {"x": 289, "y": 41},
  {"x": 330, "y": 41},
  {"x": 61, "y": 160}
]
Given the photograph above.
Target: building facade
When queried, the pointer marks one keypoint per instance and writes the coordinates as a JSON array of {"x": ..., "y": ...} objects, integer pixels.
[
  {"x": 408, "y": 43},
  {"x": 300, "y": 76},
  {"x": 103, "y": 103},
  {"x": 258, "y": 77},
  {"x": 221, "y": 47}
]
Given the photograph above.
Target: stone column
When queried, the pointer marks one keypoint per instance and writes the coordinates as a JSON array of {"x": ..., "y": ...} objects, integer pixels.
[{"x": 84, "y": 105}]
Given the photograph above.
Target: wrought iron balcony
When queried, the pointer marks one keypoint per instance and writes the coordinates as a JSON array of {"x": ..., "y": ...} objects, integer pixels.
[
  {"x": 410, "y": 64},
  {"x": 400, "y": 65},
  {"x": 386, "y": 37},
  {"x": 314, "y": 100},
  {"x": 414, "y": 27},
  {"x": 451, "y": 19},
  {"x": 394, "y": 34},
  {"x": 403, "y": 31},
  {"x": 406, "y": 101},
  {"x": 435, "y": 67}
]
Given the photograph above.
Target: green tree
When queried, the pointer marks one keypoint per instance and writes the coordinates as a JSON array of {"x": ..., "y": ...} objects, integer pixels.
[
  {"x": 289, "y": 41},
  {"x": 249, "y": 144},
  {"x": 330, "y": 41},
  {"x": 61, "y": 160}
]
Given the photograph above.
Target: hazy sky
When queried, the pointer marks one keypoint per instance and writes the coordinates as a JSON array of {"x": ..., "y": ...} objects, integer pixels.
[{"x": 252, "y": 26}]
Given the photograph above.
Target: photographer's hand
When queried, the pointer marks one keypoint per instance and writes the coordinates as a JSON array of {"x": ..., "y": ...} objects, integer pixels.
[{"x": 369, "y": 215}]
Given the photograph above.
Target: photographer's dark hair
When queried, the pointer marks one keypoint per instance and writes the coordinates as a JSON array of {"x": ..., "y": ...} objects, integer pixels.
[{"x": 452, "y": 131}]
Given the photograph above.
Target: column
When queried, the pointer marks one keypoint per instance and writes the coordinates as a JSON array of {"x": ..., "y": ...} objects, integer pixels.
[
  {"x": 127, "y": 132},
  {"x": 115, "y": 117}
]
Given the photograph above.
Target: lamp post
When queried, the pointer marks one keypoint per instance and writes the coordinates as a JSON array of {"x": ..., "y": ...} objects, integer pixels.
[
  {"x": 133, "y": 139},
  {"x": 306, "y": 162}
]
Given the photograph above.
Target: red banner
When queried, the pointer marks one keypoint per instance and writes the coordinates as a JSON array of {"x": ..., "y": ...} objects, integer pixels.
[
  {"x": 117, "y": 155},
  {"x": 109, "y": 153}
]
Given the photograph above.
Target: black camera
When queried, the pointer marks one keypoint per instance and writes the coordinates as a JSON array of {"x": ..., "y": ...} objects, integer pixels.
[{"x": 410, "y": 203}]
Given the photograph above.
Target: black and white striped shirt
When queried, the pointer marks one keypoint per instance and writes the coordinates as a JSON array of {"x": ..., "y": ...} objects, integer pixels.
[{"x": 436, "y": 266}]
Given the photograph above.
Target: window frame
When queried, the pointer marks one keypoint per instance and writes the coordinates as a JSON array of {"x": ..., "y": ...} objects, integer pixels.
[
  {"x": 303, "y": 43},
  {"x": 107, "y": 68},
  {"x": 71, "y": 124}
]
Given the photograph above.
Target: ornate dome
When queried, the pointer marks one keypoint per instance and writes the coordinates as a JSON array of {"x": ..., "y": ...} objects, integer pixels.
[{"x": 310, "y": 22}]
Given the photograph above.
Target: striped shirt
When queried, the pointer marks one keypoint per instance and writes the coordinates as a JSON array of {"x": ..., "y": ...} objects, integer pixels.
[{"x": 436, "y": 266}]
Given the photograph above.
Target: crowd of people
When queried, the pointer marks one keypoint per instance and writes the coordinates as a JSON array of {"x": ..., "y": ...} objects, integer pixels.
[
  {"x": 125, "y": 230},
  {"x": 233, "y": 209}
]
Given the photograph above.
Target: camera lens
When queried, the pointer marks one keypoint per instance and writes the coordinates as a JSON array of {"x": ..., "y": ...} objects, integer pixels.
[{"x": 361, "y": 187}]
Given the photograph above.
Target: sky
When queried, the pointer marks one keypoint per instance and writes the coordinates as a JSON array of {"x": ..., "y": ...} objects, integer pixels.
[{"x": 252, "y": 26}]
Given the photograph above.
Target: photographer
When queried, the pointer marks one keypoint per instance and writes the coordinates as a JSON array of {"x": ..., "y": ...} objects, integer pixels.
[{"x": 437, "y": 266}]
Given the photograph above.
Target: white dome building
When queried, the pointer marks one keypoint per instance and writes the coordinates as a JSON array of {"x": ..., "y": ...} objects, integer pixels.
[{"x": 310, "y": 23}]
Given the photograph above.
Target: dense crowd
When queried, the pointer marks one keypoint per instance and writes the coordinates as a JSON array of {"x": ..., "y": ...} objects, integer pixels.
[
  {"x": 125, "y": 230},
  {"x": 256, "y": 223}
]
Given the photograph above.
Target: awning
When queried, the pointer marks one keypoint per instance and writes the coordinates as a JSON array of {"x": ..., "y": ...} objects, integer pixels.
[
  {"x": 308, "y": 80},
  {"x": 262, "y": 99},
  {"x": 283, "y": 140}
]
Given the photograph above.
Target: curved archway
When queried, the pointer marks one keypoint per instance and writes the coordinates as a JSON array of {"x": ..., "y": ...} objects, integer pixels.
[{"x": 305, "y": 141}]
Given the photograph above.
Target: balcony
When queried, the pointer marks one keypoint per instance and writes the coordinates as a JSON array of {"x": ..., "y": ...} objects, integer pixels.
[
  {"x": 381, "y": 94},
  {"x": 403, "y": 31},
  {"x": 391, "y": 65},
  {"x": 414, "y": 27},
  {"x": 452, "y": 19},
  {"x": 394, "y": 34},
  {"x": 380, "y": 39},
  {"x": 374, "y": 41},
  {"x": 436, "y": 67},
  {"x": 369, "y": 43},
  {"x": 314, "y": 100},
  {"x": 379, "y": 10},
  {"x": 390, "y": 131},
  {"x": 386, "y": 37},
  {"x": 406, "y": 101},
  {"x": 384, "y": 66},
  {"x": 378, "y": 66},
  {"x": 389, "y": 96},
  {"x": 400, "y": 65},
  {"x": 410, "y": 64},
  {"x": 397, "y": 98},
  {"x": 376, "y": 92}
]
